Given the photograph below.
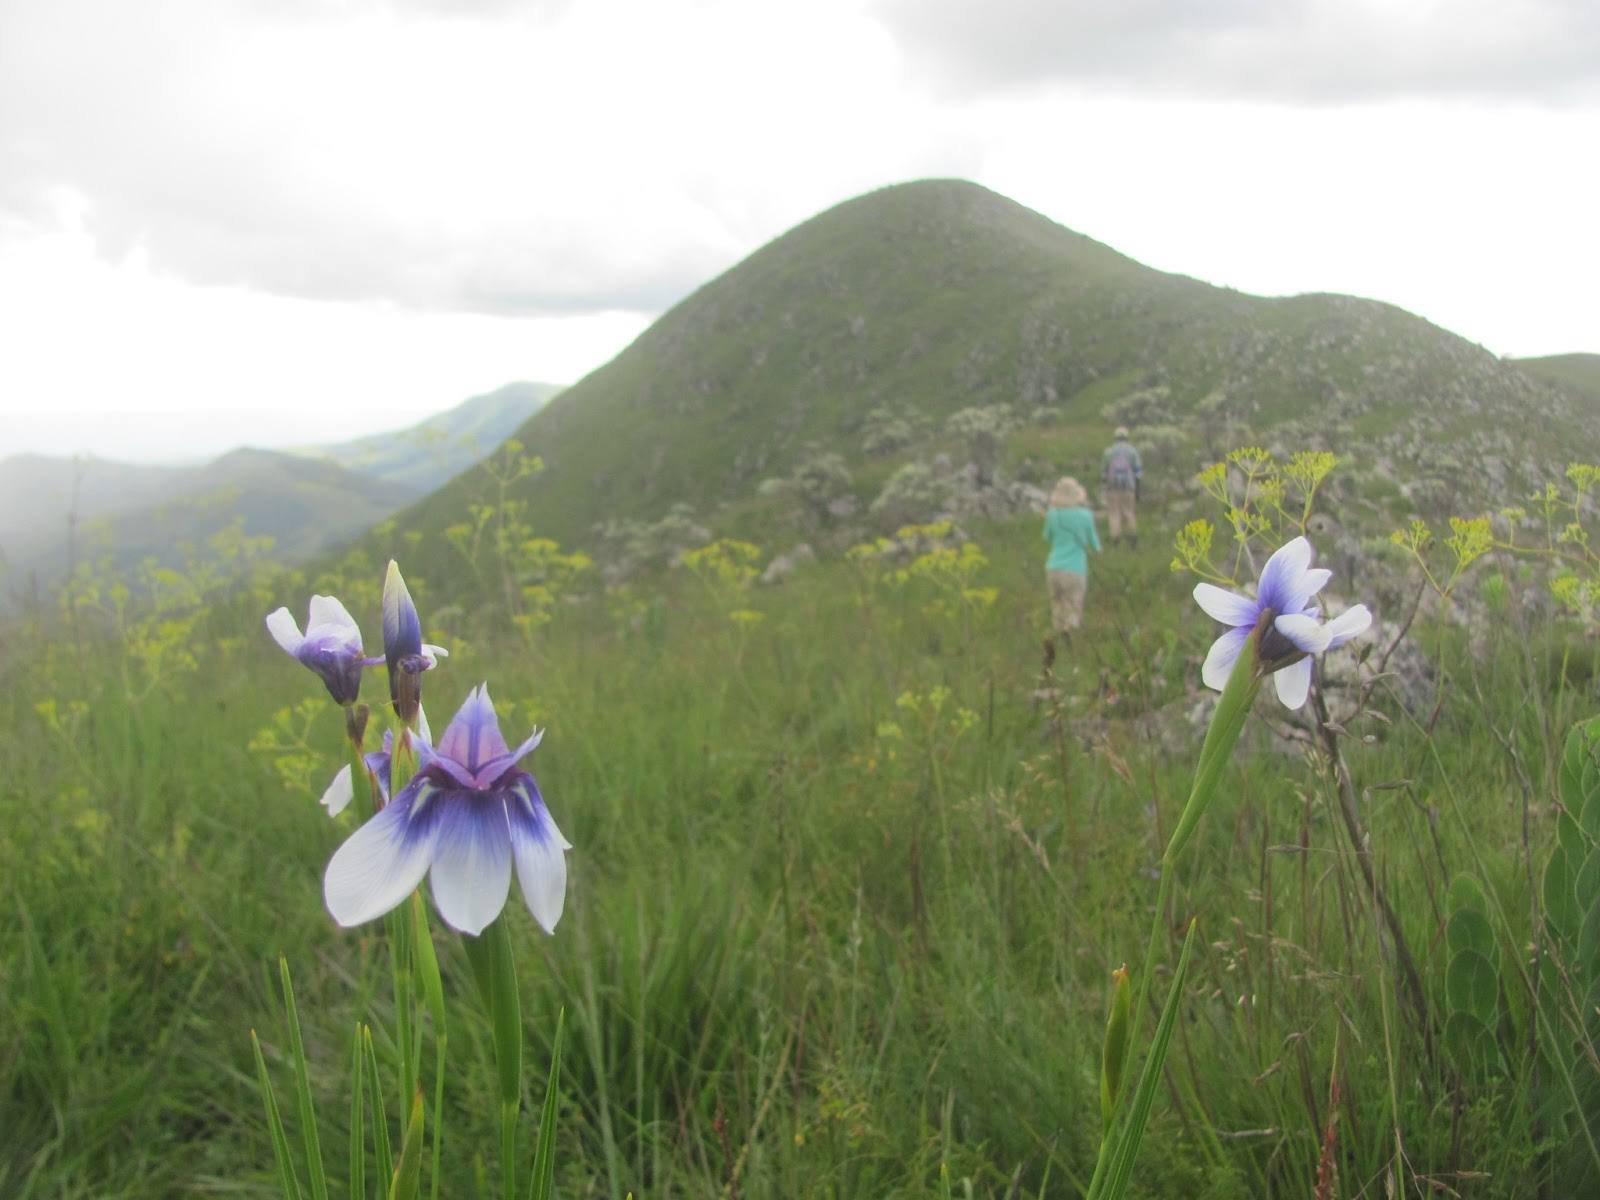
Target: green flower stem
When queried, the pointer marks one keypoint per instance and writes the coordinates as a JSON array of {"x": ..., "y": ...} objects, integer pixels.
[
  {"x": 427, "y": 965},
  {"x": 402, "y": 766},
  {"x": 1227, "y": 722},
  {"x": 355, "y": 731},
  {"x": 399, "y": 930},
  {"x": 495, "y": 970}
]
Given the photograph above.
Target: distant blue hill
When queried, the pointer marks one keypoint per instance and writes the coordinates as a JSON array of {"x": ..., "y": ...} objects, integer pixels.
[
  {"x": 55, "y": 511},
  {"x": 434, "y": 451}
]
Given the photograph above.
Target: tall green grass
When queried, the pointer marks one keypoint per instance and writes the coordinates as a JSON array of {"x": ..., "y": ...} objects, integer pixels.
[{"x": 820, "y": 940}]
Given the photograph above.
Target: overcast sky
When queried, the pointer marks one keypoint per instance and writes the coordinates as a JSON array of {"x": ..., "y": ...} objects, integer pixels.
[{"x": 284, "y": 221}]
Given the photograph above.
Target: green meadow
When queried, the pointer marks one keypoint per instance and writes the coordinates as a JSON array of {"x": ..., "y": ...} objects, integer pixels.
[{"x": 852, "y": 869}]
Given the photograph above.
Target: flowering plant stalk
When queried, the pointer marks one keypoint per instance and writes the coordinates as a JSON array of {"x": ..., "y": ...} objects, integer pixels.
[
  {"x": 463, "y": 812},
  {"x": 1275, "y": 633}
]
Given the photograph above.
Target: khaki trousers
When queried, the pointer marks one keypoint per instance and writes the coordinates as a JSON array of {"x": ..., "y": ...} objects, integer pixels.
[
  {"x": 1067, "y": 589},
  {"x": 1120, "y": 504}
]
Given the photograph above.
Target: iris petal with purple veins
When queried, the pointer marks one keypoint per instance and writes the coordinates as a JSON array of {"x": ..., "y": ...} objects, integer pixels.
[
  {"x": 330, "y": 646},
  {"x": 1287, "y": 585},
  {"x": 469, "y": 818}
]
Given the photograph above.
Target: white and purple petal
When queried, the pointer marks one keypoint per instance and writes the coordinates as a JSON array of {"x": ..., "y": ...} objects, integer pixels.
[
  {"x": 338, "y": 793},
  {"x": 334, "y": 661},
  {"x": 430, "y": 759},
  {"x": 471, "y": 874},
  {"x": 327, "y": 610},
  {"x": 539, "y": 850},
  {"x": 473, "y": 735},
  {"x": 381, "y": 863},
  {"x": 1293, "y": 683},
  {"x": 1224, "y": 653},
  {"x": 490, "y": 772},
  {"x": 380, "y": 763},
  {"x": 1281, "y": 578},
  {"x": 402, "y": 631},
  {"x": 1351, "y": 623},
  {"x": 1228, "y": 607},
  {"x": 1304, "y": 632},
  {"x": 285, "y": 630},
  {"x": 1297, "y": 598}
]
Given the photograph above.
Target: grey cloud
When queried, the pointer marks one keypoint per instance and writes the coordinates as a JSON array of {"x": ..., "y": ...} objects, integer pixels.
[
  {"x": 1296, "y": 51},
  {"x": 105, "y": 114},
  {"x": 267, "y": 242}
]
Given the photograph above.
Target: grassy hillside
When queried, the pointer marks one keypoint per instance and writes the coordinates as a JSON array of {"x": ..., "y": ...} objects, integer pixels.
[
  {"x": 1577, "y": 374},
  {"x": 935, "y": 296},
  {"x": 847, "y": 887},
  {"x": 431, "y": 452}
]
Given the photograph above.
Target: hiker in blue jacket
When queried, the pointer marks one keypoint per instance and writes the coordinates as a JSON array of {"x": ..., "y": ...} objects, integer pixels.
[{"x": 1120, "y": 473}]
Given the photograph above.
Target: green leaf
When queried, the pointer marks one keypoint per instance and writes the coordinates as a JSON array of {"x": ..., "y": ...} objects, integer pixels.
[
  {"x": 1466, "y": 894},
  {"x": 1472, "y": 985},
  {"x": 507, "y": 1012},
  {"x": 541, "y": 1183},
  {"x": 1560, "y": 893},
  {"x": 1469, "y": 929},
  {"x": 427, "y": 963},
  {"x": 1132, "y": 1133},
  {"x": 302, "y": 1082},
  {"x": 495, "y": 970},
  {"x": 1587, "y": 964},
  {"x": 1586, "y": 888},
  {"x": 1569, "y": 776},
  {"x": 1471, "y": 1044},
  {"x": 358, "y": 1150},
  {"x": 280, "y": 1141},
  {"x": 1570, "y": 836},
  {"x": 1589, "y": 820},
  {"x": 408, "y": 1172},
  {"x": 380, "y": 1118}
]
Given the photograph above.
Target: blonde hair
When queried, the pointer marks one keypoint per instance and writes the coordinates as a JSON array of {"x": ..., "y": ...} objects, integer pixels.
[{"x": 1068, "y": 493}]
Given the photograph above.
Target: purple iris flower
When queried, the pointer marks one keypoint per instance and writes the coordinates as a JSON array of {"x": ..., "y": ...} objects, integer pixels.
[
  {"x": 404, "y": 650},
  {"x": 330, "y": 646},
  {"x": 1288, "y": 582},
  {"x": 466, "y": 817}
]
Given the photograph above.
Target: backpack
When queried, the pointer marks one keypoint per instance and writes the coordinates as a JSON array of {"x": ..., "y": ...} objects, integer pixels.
[{"x": 1119, "y": 469}]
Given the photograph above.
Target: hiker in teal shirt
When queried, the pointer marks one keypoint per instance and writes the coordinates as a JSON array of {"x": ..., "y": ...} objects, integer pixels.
[{"x": 1069, "y": 528}]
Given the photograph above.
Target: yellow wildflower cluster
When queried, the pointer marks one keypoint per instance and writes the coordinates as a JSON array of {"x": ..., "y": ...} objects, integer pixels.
[
  {"x": 1565, "y": 548},
  {"x": 726, "y": 561},
  {"x": 727, "y": 567},
  {"x": 287, "y": 744},
  {"x": 546, "y": 573},
  {"x": 953, "y": 571},
  {"x": 1261, "y": 501},
  {"x": 928, "y": 709}
]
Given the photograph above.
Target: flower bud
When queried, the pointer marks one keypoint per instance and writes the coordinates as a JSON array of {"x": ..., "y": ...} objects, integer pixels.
[{"x": 1114, "y": 1057}]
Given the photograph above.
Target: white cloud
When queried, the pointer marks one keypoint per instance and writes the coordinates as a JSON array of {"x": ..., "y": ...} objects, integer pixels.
[
  {"x": 125, "y": 363},
  {"x": 347, "y": 213},
  {"x": 520, "y": 166},
  {"x": 1310, "y": 52},
  {"x": 1477, "y": 218}
]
